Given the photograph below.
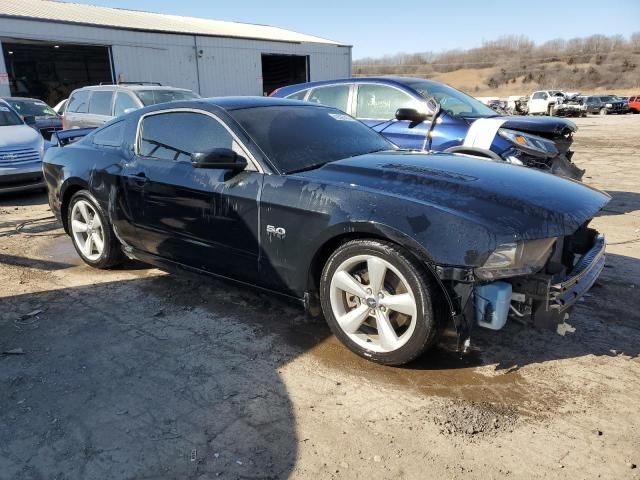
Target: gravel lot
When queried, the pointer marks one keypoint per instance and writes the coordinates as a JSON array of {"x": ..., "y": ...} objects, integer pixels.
[{"x": 137, "y": 373}]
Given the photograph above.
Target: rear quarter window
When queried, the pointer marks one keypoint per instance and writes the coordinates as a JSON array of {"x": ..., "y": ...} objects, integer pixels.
[
  {"x": 298, "y": 95},
  {"x": 110, "y": 136}
]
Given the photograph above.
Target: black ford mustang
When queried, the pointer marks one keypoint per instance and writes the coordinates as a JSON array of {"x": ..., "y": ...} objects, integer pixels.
[{"x": 303, "y": 200}]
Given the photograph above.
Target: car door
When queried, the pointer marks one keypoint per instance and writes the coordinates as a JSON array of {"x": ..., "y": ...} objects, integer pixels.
[
  {"x": 376, "y": 106},
  {"x": 203, "y": 218},
  {"x": 593, "y": 104},
  {"x": 538, "y": 103}
]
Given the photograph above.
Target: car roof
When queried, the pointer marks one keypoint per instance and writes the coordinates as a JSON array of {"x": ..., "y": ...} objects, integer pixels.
[
  {"x": 227, "y": 104},
  {"x": 132, "y": 87},
  {"x": 389, "y": 80},
  {"x": 238, "y": 103}
]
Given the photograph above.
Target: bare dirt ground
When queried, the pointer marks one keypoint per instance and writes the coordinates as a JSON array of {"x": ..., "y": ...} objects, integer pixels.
[{"x": 136, "y": 373}]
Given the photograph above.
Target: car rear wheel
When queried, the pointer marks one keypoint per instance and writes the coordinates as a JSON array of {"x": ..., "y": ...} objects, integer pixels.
[
  {"x": 91, "y": 232},
  {"x": 379, "y": 301}
]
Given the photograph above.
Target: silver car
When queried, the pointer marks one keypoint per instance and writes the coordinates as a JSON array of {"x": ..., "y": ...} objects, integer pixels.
[
  {"x": 93, "y": 106},
  {"x": 21, "y": 151}
]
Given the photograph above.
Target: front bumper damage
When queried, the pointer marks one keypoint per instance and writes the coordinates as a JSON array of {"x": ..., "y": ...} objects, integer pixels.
[
  {"x": 542, "y": 300},
  {"x": 546, "y": 301},
  {"x": 561, "y": 164}
]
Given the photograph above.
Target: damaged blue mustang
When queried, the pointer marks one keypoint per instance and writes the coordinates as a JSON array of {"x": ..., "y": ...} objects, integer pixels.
[{"x": 303, "y": 200}]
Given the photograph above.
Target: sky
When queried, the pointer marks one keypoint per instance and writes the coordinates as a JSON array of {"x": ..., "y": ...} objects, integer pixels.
[{"x": 376, "y": 28}]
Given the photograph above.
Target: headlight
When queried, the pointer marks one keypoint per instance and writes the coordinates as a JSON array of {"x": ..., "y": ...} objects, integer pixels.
[
  {"x": 608, "y": 105},
  {"x": 530, "y": 143},
  {"x": 519, "y": 258}
]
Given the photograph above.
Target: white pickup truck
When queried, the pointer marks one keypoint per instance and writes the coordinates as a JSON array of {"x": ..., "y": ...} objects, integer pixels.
[{"x": 555, "y": 102}]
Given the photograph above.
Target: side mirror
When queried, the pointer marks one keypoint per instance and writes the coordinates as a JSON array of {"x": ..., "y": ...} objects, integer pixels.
[
  {"x": 219, "y": 158},
  {"x": 29, "y": 120},
  {"x": 410, "y": 114}
]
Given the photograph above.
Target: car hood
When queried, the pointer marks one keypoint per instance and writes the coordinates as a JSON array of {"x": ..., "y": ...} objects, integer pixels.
[
  {"x": 511, "y": 201},
  {"x": 11, "y": 135},
  {"x": 538, "y": 125}
]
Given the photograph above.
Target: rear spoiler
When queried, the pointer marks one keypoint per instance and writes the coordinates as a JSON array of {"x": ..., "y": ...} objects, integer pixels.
[{"x": 65, "y": 137}]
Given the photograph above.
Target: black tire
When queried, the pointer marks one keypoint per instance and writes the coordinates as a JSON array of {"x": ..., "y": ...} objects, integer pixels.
[
  {"x": 429, "y": 316},
  {"x": 112, "y": 254}
]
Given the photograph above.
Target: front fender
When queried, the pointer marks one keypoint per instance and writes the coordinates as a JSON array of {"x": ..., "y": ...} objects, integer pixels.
[{"x": 373, "y": 229}]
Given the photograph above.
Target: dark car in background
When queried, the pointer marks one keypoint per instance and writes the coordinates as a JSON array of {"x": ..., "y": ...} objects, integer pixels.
[
  {"x": 465, "y": 124},
  {"x": 95, "y": 105},
  {"x": 45, "y": 119},
  {"x": 305, "y": 201},
  {"x": 605, "y": 104}
]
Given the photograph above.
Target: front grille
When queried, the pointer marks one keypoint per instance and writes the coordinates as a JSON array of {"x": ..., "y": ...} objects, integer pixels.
[{"x": 10, "y": 156}]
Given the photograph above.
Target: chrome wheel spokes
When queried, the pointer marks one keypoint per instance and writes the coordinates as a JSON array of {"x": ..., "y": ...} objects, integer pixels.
[
  {"x": 373, "y": 303},
  {"x": 87, "y": 230}
]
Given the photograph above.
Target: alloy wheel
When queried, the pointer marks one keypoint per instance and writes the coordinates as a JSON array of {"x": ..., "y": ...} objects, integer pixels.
[
  {"x": 373, "y": 303},
  {"x": 87, "y": 229}
]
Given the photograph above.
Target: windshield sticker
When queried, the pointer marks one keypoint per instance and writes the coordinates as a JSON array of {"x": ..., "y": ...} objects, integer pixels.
[
  {"x": 343, "y": 117},
  {"x": 4, "y": 109}
]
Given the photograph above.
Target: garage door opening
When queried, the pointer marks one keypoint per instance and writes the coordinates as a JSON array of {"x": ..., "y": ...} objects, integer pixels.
[
  {"x": 282, "y": 70},
  {"x": 50, "y": 71}
]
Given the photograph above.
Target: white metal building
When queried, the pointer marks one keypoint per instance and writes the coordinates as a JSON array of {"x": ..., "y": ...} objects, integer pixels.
[{"x": 49, "y": 48}]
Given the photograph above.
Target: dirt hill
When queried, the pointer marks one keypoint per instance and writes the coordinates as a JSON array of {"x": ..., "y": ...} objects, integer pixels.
[{"x": 516, "y": 66}]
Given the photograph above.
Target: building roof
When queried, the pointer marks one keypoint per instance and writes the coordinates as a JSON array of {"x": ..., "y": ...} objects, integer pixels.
[{"x": 75, "y": 13}]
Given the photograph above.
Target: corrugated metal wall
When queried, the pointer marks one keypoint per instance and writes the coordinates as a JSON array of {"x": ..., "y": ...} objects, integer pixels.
[{"x": 225, "y": 66}]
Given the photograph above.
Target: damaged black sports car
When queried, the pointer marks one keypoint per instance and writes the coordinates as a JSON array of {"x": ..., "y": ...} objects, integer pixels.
[{"x": 305, "y": 201}]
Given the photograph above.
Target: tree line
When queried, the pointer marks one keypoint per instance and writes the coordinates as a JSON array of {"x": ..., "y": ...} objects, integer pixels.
[{"x": 593, "y": 61}]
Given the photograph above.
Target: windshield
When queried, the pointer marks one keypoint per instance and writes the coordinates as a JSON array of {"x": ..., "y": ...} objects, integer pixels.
[
  {"x": 152, "y": 97},
  {"x": 36, "y": 108},
  {"x": 299, "y": 137},
  {"x": 609, "y": 98},
  {"x": 8, "y": 117},
  {"x": 452, "y": 101}
]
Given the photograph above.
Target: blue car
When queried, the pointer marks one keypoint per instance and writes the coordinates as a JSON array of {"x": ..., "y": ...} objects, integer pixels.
[{"x": 421, "y": 114}]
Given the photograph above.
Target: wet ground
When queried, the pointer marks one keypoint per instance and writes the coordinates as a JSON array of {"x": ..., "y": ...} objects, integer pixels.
[{"x": 139, "y": 373}]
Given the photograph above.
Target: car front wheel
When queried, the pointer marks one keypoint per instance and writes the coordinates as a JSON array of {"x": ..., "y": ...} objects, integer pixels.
[
  {"x": 91, "y": 232},
  {"x": 379, "y": 301}
]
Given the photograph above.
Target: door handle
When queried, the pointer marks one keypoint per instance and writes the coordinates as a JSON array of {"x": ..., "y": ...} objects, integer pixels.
[{"x": 139, "y": 178}]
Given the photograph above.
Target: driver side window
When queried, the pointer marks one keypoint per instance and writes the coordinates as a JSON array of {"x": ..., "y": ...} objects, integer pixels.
[
  {"x": 380, "y": 102},
  {"x": 176, "y": 135}
]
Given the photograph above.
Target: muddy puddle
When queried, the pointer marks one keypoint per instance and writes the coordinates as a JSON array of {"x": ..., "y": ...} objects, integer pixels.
[{"x": 441, "y": 372}]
